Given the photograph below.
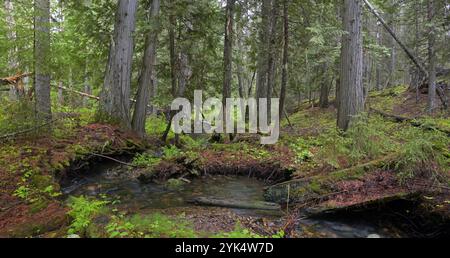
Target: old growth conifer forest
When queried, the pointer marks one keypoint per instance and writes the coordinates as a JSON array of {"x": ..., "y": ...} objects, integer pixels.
[{"x": 87, "y": 148}]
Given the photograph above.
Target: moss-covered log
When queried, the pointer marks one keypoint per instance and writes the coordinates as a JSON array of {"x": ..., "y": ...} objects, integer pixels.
[{"x": 307, "y": 189}]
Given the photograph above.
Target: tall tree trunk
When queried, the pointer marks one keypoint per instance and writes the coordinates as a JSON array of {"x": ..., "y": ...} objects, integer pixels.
[
  {"x": 60, "y": 93},
  {"x": 337, "y": 92},
  {"x": 416, "y": 76},
  {"x": 378, "y": 68},
  {"x": 228, "y": 54},
  {"x": 87, "y": 85},
  {"x": 240, "y": 69},
  {"x": 272, "y": 54},
  {"x": 13, "y": 64},
  {"x": 324, "y": 90},
  {"x": 115, "y": 96},
  {"x": 147, "y": 77},
  {"x": 172, "y": 51},
  {"x": 42, "y": 60},
  {"x": 263, "y": 52},
  {"x": 284, "y": 73},
  {"x": 392, "y": 80},
  {"x": 351, "y": 89},
  {"x": 432, "y": 58}
]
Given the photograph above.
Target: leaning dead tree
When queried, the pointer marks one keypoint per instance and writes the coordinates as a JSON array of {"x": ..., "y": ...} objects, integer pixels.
[
  {"x": 410, "y": 55},
  {"x": 89, "y": 96}
]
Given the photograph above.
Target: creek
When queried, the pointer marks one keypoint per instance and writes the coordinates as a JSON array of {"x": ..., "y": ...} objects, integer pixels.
[{"x": 135, "y": 197}]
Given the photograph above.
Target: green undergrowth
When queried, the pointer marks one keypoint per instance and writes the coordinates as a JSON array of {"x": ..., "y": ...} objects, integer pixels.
[
  {"x": 418, "y": 151},
  {"x": 168, "y": 153},
  {"x": 387, "y": 99},
  {"x": 85, "y": 211}
]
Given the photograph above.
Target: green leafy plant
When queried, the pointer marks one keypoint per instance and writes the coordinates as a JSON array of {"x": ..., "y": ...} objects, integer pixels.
[
  {"x": 119, "y": 229},
  {"x": 302, "y": 151},
  {"x": 156, "y": 126},
  {"x": 145, "y": 160},
  {"x": 82, "y": 212},
  {"x": 171, "y": 152},
  {"x": 149, "y": 226},
  {"x": 22, "y": 192}
]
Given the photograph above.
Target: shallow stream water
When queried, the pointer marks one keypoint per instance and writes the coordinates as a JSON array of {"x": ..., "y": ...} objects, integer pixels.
[{"x": 135, "y": 196}]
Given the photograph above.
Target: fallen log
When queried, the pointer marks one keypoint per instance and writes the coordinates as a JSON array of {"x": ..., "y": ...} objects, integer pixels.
[
  {"x": 85, "y": 94},
  {"x": 254, "y": 205},
  {"x": 413, "y": 121},
  {"x": 307, "y": 189},
  {"x": 328, "y": 208}
]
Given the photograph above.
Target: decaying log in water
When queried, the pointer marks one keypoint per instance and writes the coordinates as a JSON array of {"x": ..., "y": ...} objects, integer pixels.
[
  {"x": 302, "y": 190},
  {"x": 412, "y": 121},
  {"x": 328, "y": 208},
  {"x": 254, "y": 205}
]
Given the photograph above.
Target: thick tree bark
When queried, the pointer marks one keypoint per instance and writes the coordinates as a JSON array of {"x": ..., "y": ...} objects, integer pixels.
[
  {"x": 42, "y": 60},
  {"x": 239, "y": 68},
  {"x": 324, "y": 94},
  {"x": 114, "y": 99},
  {"x": 284, "y": 73},
  {"x": 351, "y": 95},
  {"x": 263, "y": 53},
  {"x": 147, "y": 78},
  {"x": 228, "y": 51},
  {"x": 432, "y": 59},
  {"x": 416, "y": 76},
  {"x": 272, "y": 54},
  {"x": 228, "y": 55}
]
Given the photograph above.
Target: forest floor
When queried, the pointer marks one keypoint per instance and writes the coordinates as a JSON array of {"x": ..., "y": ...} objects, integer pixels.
[{"x": 317, "y": 168}]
